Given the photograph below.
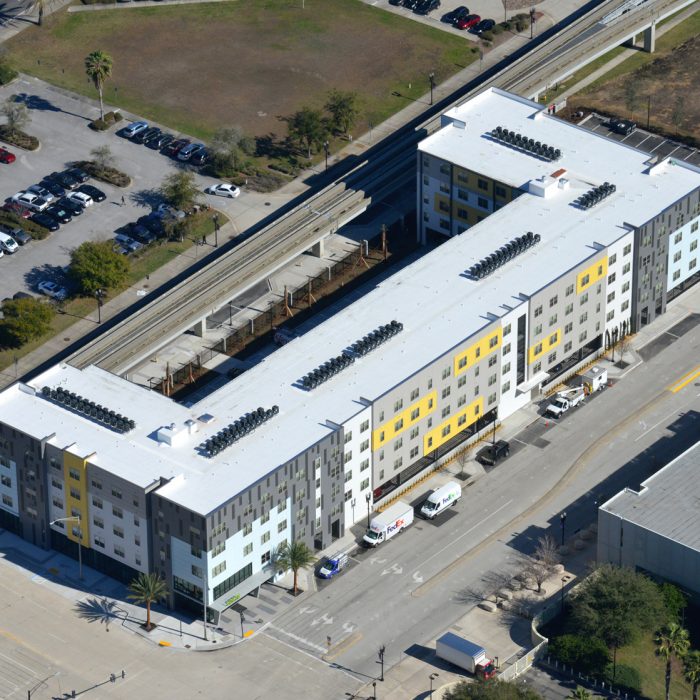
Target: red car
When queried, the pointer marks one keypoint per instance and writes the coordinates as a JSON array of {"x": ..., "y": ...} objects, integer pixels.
[
  {"x": 18, "y": 209},
  {"x": 6, "y": 156},
  {"x": 468, "y": 22}
]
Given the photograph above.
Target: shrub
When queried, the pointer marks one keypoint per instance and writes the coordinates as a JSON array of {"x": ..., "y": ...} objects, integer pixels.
[
  {"x": 24, "y": 320},
  {"x": 19, "y": 138},
  {"x": 674, "y": 600},
  {"x": 108, "y": 174},
  {"x": 13, "y": 221},
  {"x": 118, "y": 116},
  {"x": 487, "y": 36},
  {"x": 99, "y": 125},
  {"x": 587, "y": 654},
  {"x": 497, "y": 29},
  {"x": 7, "y": 72},
  {"x": 626, "y": 678}
]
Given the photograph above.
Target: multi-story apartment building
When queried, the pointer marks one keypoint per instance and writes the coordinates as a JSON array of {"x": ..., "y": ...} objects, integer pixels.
[{"x": 149, "y": 491}]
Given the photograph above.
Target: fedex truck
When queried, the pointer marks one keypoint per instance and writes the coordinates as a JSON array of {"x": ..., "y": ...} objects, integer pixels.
[
  {"x": 389, "y": 523},
  {"x": 441, "y": 499}
]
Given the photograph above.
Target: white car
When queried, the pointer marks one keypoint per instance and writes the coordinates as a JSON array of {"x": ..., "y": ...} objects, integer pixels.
[
  {"x": 31, "y": 201},
  {"x": 40, "y": 192},
  {"x": 127, "y": 242},
  {"x": 81, "y": 198},
  {"x": 223, "y": 190},
  {"x": 51, "y": 289}
]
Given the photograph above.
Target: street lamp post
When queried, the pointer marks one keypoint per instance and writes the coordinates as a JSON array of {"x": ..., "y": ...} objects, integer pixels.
[
  {"x": 432, "y": 677},
  {"x": 431, "y": 78},
  {"x": 242, "y": 614},
  {"x": 215, "y": 219},
  {"x": 562, "y": 519},
  {"x": 353, "y": 503},
  {"x": 325, "y": 148},
  {"x": 368, "y": 498},
  {"x": 80, "y": 540},
  {"x": 374, "y": 690},
  {"x": 381, "y": 651},
  {"x": 99, "y": 295}
]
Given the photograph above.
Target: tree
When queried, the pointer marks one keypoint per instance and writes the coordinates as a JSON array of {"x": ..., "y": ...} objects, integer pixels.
[
  {"x": 226, "y": 150},
  {"x": 98, "y": 66},
  {"x": 691, "y": 671},
  {"x": 180, "y": 190},
  {"x": 494, "y": 689},
  {"x": 95, "y": 265},
  {"x": 25, "y": 320},
  {"x": 624, "y": 346},
  {"x": 671, "y": 640},
  {"x": 674, "y": 600},
  {"x": 588, "y": 655},
  {"x": 541, "y": 565},
  {"x": 615, "y": 604},
  {"x": 580, "y": 693},
  {"x": 16, "y": 115},
  {"x": 102, "y": 157},
  {"x": 343, "y": 109},
  {"x": 148, "y": 588},
  {"x": 293, "y": 557},
  {"x": 308, "y": 127}
]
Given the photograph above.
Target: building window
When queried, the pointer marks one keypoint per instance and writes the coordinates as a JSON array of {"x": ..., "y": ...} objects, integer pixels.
[
  {"x": 492, "y": 399},
  {"x": 118, "y": 532},
  {"x": 97, "y": 502},
  {"x": 552, "y": 358},
  {"x": 445, "y": 224},
  {"x": 483, "y": 203},
  {"x": 117, "y": 512},
  {"x": 677, "y": 257},
  {"x": 506, "y": 349},
  {"x": 247, "y": 529},
  {"x": 347, "y": 457},
  {"x": 74, "y": 474},
  {"x": 569, "y": 290},
  {"x": 265, "y": 537},
  {"x": 693, "y": 244},
  {"x": 610, "y": 316},
  {"x": 281, "y": 527},
  {"x": 552, "y": 320},
  {"x": 584, "y": 299},
  {"x": 538, "y": 349},
  {"x": 363, "y": 427},
  {"x": 553, "y": 301},
  {"x": 96, "y": 484},
  {"x": 500, "y": 191},
  {"x": 461, "y": 382},
  {"x": 248, "y": 549},
  {"x": 583, "y": 336},
  {"x": 364, "y": 464},
  {"x": 506, "y": 329},
  {"x": 625, "y": 305},
  {"x": 538, "y": 329},
  {"x": 492, "y": 360},
  {"x": 692, "y": 263},
  {"x": 445, "y": 411},
  {"x": 627, "y": 249},
  {"x": 611, "y": 278},
  {"x": 218, "y": 569},
  {"x": 584, "y": 317},
  {"x": 74, "y": 493},
  {"x": 505, "y": 388},
  {"x": 611, "y": 296},
  {"x": 445, "y": 392},
  {"x": 506, "y": 368},
  {"x": 553, "y": 338},
  {"x": 678, "y": 237},
  {"x": 118, "y": 551},
  {"x": 482, "y": 184},
  {"x": 626, "y": 268},
  {"x": 415, "y": 413},
  {"x": 446, "y": 431},
  {"x": 676, "y": 275},
  {"x": 116, "y": 493},
  {"x": 612, "y": 259},
  {"x": 538, "y": 311}
]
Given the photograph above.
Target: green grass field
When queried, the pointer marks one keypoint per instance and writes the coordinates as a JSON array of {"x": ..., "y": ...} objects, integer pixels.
[{"x": 250, "y": 63}]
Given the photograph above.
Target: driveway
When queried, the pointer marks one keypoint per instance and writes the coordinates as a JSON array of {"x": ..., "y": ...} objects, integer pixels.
[{"x": 60, "y": 121}]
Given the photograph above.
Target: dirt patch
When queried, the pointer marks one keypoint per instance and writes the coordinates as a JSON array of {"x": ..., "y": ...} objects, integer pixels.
[
  {"x": 199, "y": 67},
  {"x": 668, "y": 86}
]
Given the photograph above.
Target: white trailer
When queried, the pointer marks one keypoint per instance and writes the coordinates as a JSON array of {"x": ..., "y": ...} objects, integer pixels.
[
  {"x": 384, "y": 526},
  {"x": 440, "y": 499},
  {"x": 595, "y": 379}
]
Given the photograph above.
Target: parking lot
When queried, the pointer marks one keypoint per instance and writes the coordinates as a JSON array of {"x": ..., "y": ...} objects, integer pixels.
[
  {"x": 60, "y": 121},
  {"x": 643, "y": 140}
]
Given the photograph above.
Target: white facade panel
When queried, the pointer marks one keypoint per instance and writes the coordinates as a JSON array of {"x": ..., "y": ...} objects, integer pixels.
[
  {"x": 619, "y": 284},
  {"x": 358, "y": 468},
  {"x": 9, "y": 493},
  {"x": 683, "y": 253}
]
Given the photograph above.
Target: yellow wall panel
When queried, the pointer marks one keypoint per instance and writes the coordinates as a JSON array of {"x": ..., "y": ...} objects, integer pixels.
[
  {"x": 79, "y": 465},
  {"x": 388, "y": 430},
  {"x": 546, "y": 344},
  {"x": 591, "y": 275},
  {"x": 478, "y": 351},
  {"x": 471, "y": 413}
]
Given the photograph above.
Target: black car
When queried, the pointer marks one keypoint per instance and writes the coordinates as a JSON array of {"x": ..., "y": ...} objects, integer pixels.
[
  {"x": 71, "y": 206},
  {"x": 486, "y": 25},
  {"x": 494, "y": 453},
  {"x": 59, "y": 213},
  {"x": 174, "y": 147},
  {"x": 97, "y": 195},
  {"x": 141, "y": 233},
  {"x": 147, "y": 134},
  {"x": 20, "y": 235},
  {"x": 395, "y": 2},
  {"x": 160, "y": 141},
  {"x": 52, "y": 186},
  {"x": 427, "y": 6},
  {"x": 454, "y": 15},
  {"x": 77, "y": 174},
  {"x": 65, "y": 180},
  {"x": 156, "y": 132},
  {"x": 46, "y": 221},
  {"x": 22, "y": 295},
  {"x": 622, "y": 126},
  {"x": 200, "y": 157},
  {"x": 153, "y": 223}
]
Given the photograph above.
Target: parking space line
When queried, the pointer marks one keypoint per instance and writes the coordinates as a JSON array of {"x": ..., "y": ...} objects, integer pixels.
[
  {"x": 690, "y": 155},
  {"x": 661, "y": 143},
  {"x": 646, "y": 138},
  {"x": 668, "y": 155}
]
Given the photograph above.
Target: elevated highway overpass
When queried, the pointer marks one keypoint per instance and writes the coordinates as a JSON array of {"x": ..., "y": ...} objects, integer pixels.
[{"x": 386, "y": 167}]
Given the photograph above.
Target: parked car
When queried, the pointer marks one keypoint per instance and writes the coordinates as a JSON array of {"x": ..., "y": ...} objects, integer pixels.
[
  {"x": 77, "y": 174},
  {"x": 31, "y": 201},
  {"x": 622, "y": 126},
  {"x": 134, "y": 128},
  {"x": 40, "y": 191},
  {"x": 20, "y": 235},
  {"x": 188, "y": 151},
  {"x": 164, "y": 210},
  {"x": 200, "y": 157},
  {"x": 146, "y": 135},
  {"x": 128, "y": 243},
  {"x": 53, "y": 290},
  {"x": 426, "y": 6},
  {"x": 45, "y": 221},
  {"x": 74, "y": 208},
  {"x": 68, "y": 182},
  {"x": 17, "y": 209},
  {"x": 80, "y": 198},
  {"x": 174, "y": 147},
  {"x": 142, "y": 234},
  {"x": 486, "y": 25},
  {"x": 395, "y": 2},
  {"x": 8, "y": 244},
  {"x": 7, "y": 156},
  {"x": 493, "y": 453},
  {"x": 223, "y": 189},
  {"x": 53, "y": 187},
  {"x": 22, "y": 295},
  {"x": 468, "y": 22},
  {"x": 96, "y": 194},
  {"x": 153, "y": 223},
  {"x": 160, "y": 141},
  {"x": 454, "y": 15},
  {"x": 59, "y": 213}
]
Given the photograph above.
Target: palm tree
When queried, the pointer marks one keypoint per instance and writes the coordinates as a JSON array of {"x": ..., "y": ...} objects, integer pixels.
[
  {"x": 294, "y": 556},
  {"x": 691, "y": 667},
  {"x": 98, "y": 66},
  {"x": 580, "y": 693},
  {"x": 148, "y": 588},
  {"x": 671, "y": 640}
]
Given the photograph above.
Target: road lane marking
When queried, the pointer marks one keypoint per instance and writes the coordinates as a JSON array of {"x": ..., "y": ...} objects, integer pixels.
[
  {"x": 684, "y": 380},
  {"x": 656, "y": 425}
]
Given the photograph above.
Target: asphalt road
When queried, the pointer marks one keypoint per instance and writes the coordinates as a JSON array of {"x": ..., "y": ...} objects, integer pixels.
[{"x": 409, "y": 590}]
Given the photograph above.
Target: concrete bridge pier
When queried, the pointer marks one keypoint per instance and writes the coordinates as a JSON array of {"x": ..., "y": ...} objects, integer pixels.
[
  {"x": 318, "y": 248},
  {"x": 648, "y": 39},
  {"x": 200, "y": 328}
]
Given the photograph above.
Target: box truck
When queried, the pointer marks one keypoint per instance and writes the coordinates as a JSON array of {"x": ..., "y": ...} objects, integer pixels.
[
  {"x": 333, "y": 565},
  {"x": 441, "y": 499},
  {"x": 465, "y": 654},
  {"x": 389, "y": 523}
]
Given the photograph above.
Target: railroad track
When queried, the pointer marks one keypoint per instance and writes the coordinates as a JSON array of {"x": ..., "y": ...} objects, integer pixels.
[{"x": 388, "y": 165}]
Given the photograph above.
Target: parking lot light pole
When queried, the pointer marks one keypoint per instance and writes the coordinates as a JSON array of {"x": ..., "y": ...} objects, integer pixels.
[
  {"x": 432, "y": 677},
  {"x": 562, "y": 519},
  {"x": 431, "y": 78},
  {"x": 80, "y": 540},
  {"x": 381, "y": 651},
  {"x": 325, "y": 148},
  {"x": 99, "y": 295},
  {"x": 215, "y": 219}
]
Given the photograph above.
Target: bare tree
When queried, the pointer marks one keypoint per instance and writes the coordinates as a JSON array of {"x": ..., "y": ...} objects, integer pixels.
[
  {"x": 102, "y": 157},
  {"x": 462, "y": 458},
  {"x": 541, "y": 565},
  {"x": 16, "y": 115},
  {"x": 624, "y": 346}
]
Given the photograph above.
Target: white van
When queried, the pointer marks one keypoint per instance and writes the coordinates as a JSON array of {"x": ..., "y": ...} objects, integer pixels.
[
  {"x": 440, "y": 499},
  {"x": 7, "y": 243}
]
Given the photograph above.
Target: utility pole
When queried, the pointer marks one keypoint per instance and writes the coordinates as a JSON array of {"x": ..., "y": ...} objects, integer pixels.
[{"x": 431, "y": 78}]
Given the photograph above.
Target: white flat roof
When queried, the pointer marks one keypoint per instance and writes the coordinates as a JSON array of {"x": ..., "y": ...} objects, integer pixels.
[
  {"x": 437, "y": 304},
  {"x": 667, "y": 502}
]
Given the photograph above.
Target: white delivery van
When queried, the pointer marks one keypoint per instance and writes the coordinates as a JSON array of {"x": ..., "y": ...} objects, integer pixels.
[
  {"x": 440, "y": 499},
  {"x": 384, "y": 526},
  {"x": 7, "y": 243}
]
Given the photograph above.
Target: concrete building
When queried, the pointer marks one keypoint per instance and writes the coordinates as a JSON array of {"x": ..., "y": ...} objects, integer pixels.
[
  {"x": 657, "y": 529},
  {"x": 461, "y": 338}
]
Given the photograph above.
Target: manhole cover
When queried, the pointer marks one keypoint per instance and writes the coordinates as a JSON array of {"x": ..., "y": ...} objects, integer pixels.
[{"x": 65, "y": 340}]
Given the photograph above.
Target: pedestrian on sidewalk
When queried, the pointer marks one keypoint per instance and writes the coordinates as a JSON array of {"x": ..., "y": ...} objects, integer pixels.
[{"x": 123, "y": 200}]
